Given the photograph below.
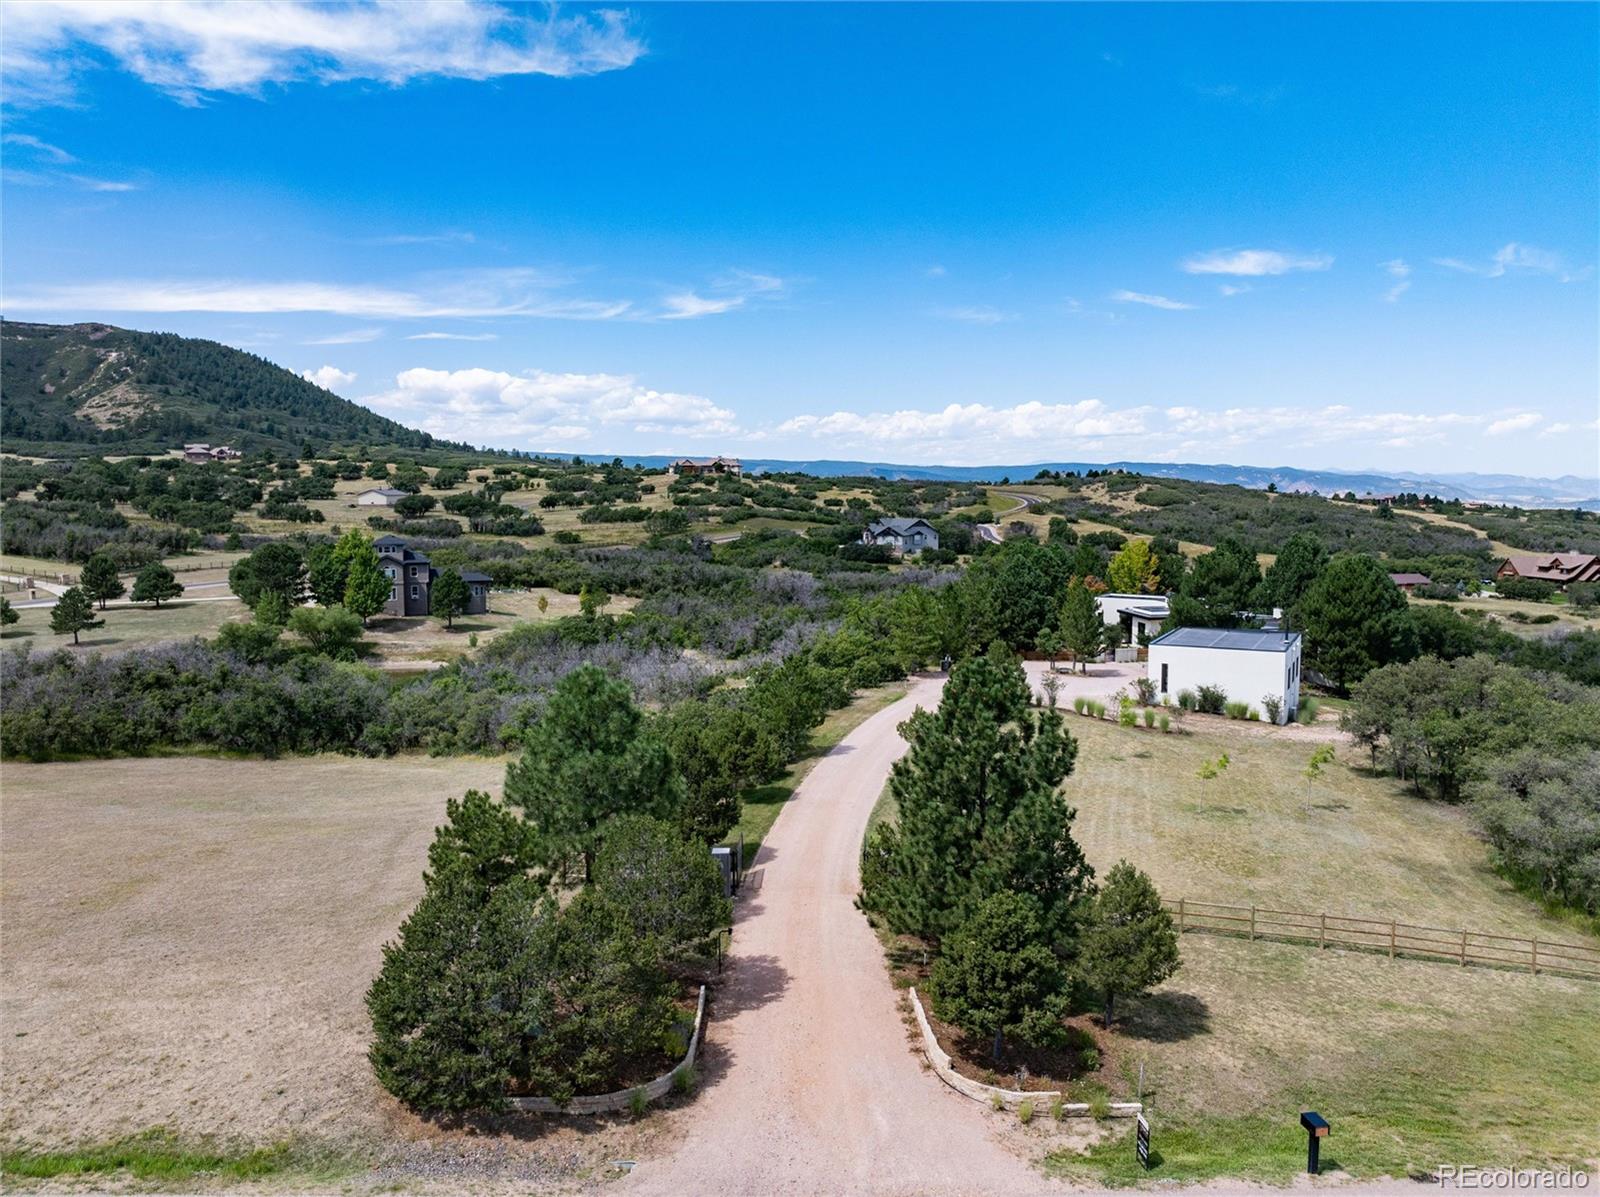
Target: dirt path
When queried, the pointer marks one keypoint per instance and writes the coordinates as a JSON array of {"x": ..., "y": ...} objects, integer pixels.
[{"x": 808, "y": 1085}]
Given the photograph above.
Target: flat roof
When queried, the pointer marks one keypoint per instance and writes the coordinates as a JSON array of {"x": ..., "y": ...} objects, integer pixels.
[{"x": 1239, "y": 639}]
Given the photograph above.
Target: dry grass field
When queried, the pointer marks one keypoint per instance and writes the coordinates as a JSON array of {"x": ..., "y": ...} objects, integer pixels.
[
  {"x": 1415, "y": 1063},
  {"x": 188, "y": 940}
]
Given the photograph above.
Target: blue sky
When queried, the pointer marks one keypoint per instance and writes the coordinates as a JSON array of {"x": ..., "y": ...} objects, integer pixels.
[{"x": 1359, "y": 236}]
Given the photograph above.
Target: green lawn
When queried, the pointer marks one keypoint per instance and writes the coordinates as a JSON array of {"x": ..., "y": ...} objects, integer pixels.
[
  {"x": 1415, "y": 1064},
  {"x": 762, "y": 804},
  {"x": 126, "y": 627}
]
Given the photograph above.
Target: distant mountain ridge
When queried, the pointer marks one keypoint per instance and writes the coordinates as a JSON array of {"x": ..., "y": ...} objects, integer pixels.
[{"x": 1515, "y": 489}]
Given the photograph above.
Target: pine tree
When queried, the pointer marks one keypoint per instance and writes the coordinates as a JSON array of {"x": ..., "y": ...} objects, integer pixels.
[
  {"x": 1356, "y": 619},
  {"x": 448, "y": 596},
  {"x": 154, "y": 583},
  {"x": 589, "y": 758},
  {"x": 73, "y": 612},
  {"x": 100, "y": 579},
  {"x": 978, "y": 810},
  {"x": 996, "y": 976},
  {"x": 8, "y": 613},
  {"x": 1299, "y": 563},
  {"x": 1222, "y": 584},
  {"x": 1083, "y": 632},
  {"x": 1129, "y": 943}
]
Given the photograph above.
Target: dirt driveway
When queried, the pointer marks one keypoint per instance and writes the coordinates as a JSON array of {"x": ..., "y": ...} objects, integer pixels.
[{"x": 808, "y": 1084}]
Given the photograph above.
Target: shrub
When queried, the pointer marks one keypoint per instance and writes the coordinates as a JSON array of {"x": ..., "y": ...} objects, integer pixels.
[
  {"x": 1308, "y": 711},
  {"x": 683, "y": 1080},
  {"x": 1166, "y": 723},
  {"x": 1145, "y": 690},
  {"x": 1150, "y": 716},
  {"x": 1534, "y": 590},
  {"x": 1236, "y": 710},
  {"x": 638, "y": 1102},
  {"x": 1127, "y": 715},
  {"x": 1089, "y": 1059},
  {"x": 1273, "y": 705},
  {"x": 568, "y": 536},
  {"x": 1058, "y": 1109},
  {"x": 995, "y": 1103},
  {"x": 1253, "y": 715},
  {"x": 1187, "y": 700},
  {"x": 1025, "y": 1113},
  {"x": 1098, "y": 709},
  {"x": 1079, "y": 704},
  {"x": 1210, "y": 700},
  {"x": 1099, "y": 1107}
]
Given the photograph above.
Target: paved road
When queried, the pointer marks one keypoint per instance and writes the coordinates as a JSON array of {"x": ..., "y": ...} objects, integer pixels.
[{"x": 808, "y": 1085}]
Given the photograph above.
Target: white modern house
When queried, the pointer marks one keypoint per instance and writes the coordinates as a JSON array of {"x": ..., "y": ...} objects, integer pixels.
[
  {"x": 1247, "y": 666},
  {"x": 379, "y": 496},
  {"x": 1140, "y": 615}
]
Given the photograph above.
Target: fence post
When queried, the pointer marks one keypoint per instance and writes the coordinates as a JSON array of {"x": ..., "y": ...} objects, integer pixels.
[
  {"x": 1322, "y": 931},
  {"x": 1463, "y": 949},
  {"x": 1252, "y": 922},
  {"x": 1180, "y": 916},
  {"x": 1391, "y": 938}
]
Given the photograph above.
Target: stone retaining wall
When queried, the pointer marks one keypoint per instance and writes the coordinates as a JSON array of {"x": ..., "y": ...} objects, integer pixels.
[
  {"x": 1043, "y": 1099},
  {"x": 622, "y": 1099}
]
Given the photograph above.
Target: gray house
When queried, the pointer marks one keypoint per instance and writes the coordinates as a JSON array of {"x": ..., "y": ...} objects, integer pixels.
[
  {"x": 902, "y": 536},
  {"x": 411, "y": 579}
]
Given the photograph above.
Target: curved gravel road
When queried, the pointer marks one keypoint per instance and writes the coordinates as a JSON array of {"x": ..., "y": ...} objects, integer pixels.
[{"x": 808, "y": 1085}]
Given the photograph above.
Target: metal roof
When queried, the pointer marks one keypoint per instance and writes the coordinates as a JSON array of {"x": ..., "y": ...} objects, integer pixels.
[
  {"x": 897, "y": 524},
  {"x": 1238, "y": 639}
]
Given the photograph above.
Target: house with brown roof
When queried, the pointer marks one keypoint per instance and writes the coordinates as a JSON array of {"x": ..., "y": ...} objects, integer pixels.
[
  {"x": 1560, "y": 568},
  {"x": 689, "y": 467},
  {"x": 1409, "y": 582}
]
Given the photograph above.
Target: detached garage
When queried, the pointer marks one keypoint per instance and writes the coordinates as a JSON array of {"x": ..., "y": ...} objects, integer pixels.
[{"x": 1245, "y": 665}]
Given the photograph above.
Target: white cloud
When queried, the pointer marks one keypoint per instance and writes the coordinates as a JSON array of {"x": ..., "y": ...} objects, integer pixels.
[
  {"x": 449, "y": 336},
  {"x": 28, "y": 141},
  {"x": 1227, "y": 290},
  {"x": 973, "y": 430},
  {"x": 354, "y": 336},
  {"x": 1517, "y": 258},
  {"x": 539, "y": 408},
  {"x": 474, "y": 294},
  {"x": 1520, "y": 422},
  {"x": 205, "y": 46},
  {"x": 935, "y": 271},
  {"x": 1398, "y": 270},
  {"x": 1295, "y": 427},
  {"x": 1253, "y": 263},
  {"x": 728, "y": 293},
  {"x": 686, "y": 305},
  {"x": 1153, "y": 301},
  {"x": 976, "y": 314},
  {"x": 1562, "y": 428},
  {"x": 329, "y": 378},
  {"x": 446, "y": 238}
]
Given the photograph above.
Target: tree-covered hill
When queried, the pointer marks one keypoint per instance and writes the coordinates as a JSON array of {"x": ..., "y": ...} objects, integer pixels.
[{"x": 68, "y": 389}]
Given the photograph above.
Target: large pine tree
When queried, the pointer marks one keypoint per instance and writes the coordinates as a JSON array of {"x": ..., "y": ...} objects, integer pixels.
[{"x": 978, "y": 810}]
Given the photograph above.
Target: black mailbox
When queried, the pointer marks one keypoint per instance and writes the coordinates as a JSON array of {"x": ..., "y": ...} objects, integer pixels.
[{"x": 1316, "y": 1127}]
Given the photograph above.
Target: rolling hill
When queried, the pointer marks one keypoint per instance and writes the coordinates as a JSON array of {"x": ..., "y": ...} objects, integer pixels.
[{"x": 69, "y": 389}]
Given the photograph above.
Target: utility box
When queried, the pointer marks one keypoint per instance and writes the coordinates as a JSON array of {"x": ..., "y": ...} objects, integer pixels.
[{"x": 724, "y": 859}]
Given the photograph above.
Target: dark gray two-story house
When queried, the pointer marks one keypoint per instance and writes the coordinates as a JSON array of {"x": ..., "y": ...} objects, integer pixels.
[{"x": 411, "y": 578}]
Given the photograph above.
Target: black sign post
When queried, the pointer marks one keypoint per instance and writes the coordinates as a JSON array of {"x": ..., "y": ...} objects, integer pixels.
[{"x": 1141, "y": 1141}]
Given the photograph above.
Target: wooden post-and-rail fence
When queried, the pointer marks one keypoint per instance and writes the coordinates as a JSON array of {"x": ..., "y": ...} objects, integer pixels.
[{"x": 1388, "y": 936}]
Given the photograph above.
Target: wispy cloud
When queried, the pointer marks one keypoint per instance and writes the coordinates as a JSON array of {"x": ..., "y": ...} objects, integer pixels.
[
  {"x": 1152, "y": 301},
  {"x": 1516, "y": 257},
  {"x": 972, "y": 429},
  {"x": 190, "y": 50},
  {"x": 450, "y": 336},
  {"x": 354, "y": 336},
  {"x": 1398, "y": 270},
  {"x": 541, "y": 408},
  {"x": 51, "y": 153},
  {"x": 467, "y": 295},
  {"x": 975, "y": 314},
  {"x": 445, "y": 238},
  {"x": 726, "y": 293},
  {"x": 1228, "y": 290},
  {"x": 1520, "y": 422},
  {"x": 1253, "y": 263},
  {"x": 329, "y": 378},
  {"x": 1263, "y": 97},
  {"x": 935, "y": 271}
]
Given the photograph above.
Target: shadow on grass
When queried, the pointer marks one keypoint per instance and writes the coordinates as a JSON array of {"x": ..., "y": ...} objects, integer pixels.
[{"x": 1167, "y": 1018}]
